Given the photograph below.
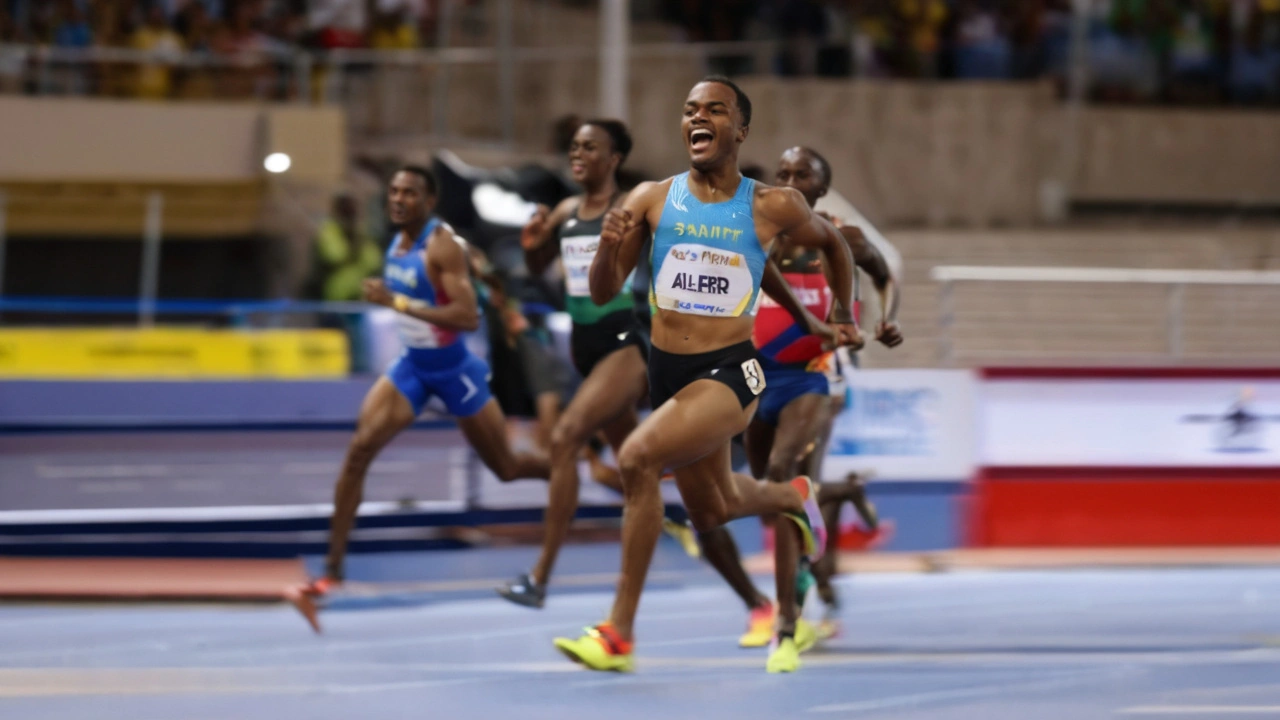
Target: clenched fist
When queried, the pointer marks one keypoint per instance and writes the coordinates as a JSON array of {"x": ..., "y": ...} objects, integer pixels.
[
  {"x": 888, "y": 333},
  {"x": 534, "y": 232},
  {"x": 376, "y": 292},
  {"x": 617, "y": 223}
]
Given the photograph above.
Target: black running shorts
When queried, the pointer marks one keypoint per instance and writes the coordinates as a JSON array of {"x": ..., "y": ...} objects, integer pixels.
[
  {"x": 589, "y": 344},
  {"x": 737, "y": 366}
]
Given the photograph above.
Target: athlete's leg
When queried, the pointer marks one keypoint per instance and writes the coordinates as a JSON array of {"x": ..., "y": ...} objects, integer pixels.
[
  {"x": 615, "y": 432},
  {"x": 614, "y": 386},
  {"x": 486, "y": 431},
  {"x": 384, "y": 413},
  {"x": 720, "y": 550},
  {"x": 602, "y": 472},
  {"x": 547, "y": 406},
  {"x": 759, "y": 443},
  {"x": 798, "y": 423},
  {"x": 690, "y": 432},
  {"x": 825, "y": 568},
  {"x": 718, "y": 545},
  {"x": 830, "y": 497}
]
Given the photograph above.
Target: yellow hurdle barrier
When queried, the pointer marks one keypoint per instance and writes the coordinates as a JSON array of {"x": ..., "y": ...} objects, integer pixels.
[{"x": 172, "y": 353}]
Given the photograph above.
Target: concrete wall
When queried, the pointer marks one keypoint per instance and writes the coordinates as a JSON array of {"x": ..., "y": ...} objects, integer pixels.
[
  {"x": 1184, "y": 156},
  {"x": 59, "y": 140},
  {"x": 953, "y": 154}
]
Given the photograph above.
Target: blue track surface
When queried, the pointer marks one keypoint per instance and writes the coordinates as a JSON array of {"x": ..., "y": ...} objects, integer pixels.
[{"x": 431, "y": 641}]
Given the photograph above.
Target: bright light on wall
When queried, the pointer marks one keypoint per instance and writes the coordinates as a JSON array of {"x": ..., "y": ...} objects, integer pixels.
[{"x": 277, "y": 162}]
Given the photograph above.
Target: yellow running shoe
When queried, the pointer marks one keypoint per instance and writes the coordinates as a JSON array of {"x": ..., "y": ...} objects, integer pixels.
[
  {"x": 784, "y": 658},
  {"x": 601, "y": 648},
  {"x": 806, "y": 635},
  {"x": 683, "y": 535},
  {"x": 759, "y": 626},
  {"x": 828, "y": 628}
]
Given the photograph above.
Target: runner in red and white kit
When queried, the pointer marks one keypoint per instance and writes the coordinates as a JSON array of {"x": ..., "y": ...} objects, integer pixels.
[{"x": 795, "y": 406}]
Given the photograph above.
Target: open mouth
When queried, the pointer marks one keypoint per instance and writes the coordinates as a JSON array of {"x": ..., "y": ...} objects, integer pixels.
[
  {"x": 700, "y": 139},
  {"x": 577, "y": 167}
]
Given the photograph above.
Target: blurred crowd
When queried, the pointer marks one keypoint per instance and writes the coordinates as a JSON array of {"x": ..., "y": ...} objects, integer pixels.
[
  {"x": 1181, "y": 51},
  {"x": 223, "y": 26},
  {"x": 250, "y": 41},
  {"x": 1189, "y": 51}
]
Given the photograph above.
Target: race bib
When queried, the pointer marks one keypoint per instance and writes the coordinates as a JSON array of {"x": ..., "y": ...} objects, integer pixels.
[
  {"x": 576, "y": 253},
  {"x": 701, "y": 280}
]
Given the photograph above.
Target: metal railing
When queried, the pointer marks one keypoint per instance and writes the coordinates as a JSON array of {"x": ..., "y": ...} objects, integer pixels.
[{"x": 1176, "y": 282}]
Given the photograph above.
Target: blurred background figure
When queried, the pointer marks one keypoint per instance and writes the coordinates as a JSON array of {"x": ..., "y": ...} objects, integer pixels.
[
  {"x": 344, "y": 255},
  {"x": 156, "y": 38}
]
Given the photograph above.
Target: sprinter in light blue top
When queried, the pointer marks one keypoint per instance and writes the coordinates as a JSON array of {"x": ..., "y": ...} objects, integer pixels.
[
  {"x": 427, "y": 281},
  {"x": 707, "y": 259},
  {"x": 712, "y": 230}
]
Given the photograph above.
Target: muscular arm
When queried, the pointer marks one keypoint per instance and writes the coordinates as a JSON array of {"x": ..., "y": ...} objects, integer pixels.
[
  {"x": 482, "y": 269},
  {"x": 867, "y": 257},
  {"x": 445, "y": 255},
  {"x": 536, "y": 237},
  {"x": 787, "y": 210},
  {"x": 625, "y": 230}
]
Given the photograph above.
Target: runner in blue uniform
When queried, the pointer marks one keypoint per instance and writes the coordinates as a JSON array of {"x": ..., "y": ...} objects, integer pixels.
[
  {"x": 427, "y": 281},
  {"x": 712, "y": 230}
]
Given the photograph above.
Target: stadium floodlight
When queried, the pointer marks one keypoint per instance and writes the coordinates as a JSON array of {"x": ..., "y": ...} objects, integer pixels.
[{"x": 277, "y": 162}]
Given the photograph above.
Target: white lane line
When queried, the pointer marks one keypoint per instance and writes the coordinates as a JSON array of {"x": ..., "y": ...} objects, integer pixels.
[
  {"x": 722, "y": 639},
  {"x": 1214, "y": 710},
  {"x": 962, "y": 693},
  {"x": 406, "y": 685}
]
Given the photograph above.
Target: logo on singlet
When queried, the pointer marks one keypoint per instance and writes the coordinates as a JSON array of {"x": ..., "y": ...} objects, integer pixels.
[
  {"x": 706, "y": 257},
  {"x": 403, "y": 275},
  {"x": 807, "y": 297},
  {"x": 588, "y": 246}
]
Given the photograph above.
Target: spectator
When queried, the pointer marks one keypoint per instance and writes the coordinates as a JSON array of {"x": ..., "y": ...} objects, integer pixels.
[
  {"x": 873, "y": 39},
  {"x": 241, "y": 39},
  {"x": 113, "y": 21},
  {"x": 164, "y": 45},
  {"x": 286, "y": 22},
  {"x": 72, "y": 28},
  {"x": 338, "y": 23},
  {"x": 344, "y": 254},
  {"x": 921, "y": 23},
  {"x": 1255, "y": 68},
  {"x": 394, "y": 31},
  {"x": 982, "y": 49},
  {"x": 196, "y": 27},
  {"x": 1194, "y": 67},
  {"x": 1027, "y": 28},
  {"x": 12, "y": 62},
  {"x": 1122, "y": 62},
  {"x": 1056, "y": 36},
  {"x": 242, "y": 34}
]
